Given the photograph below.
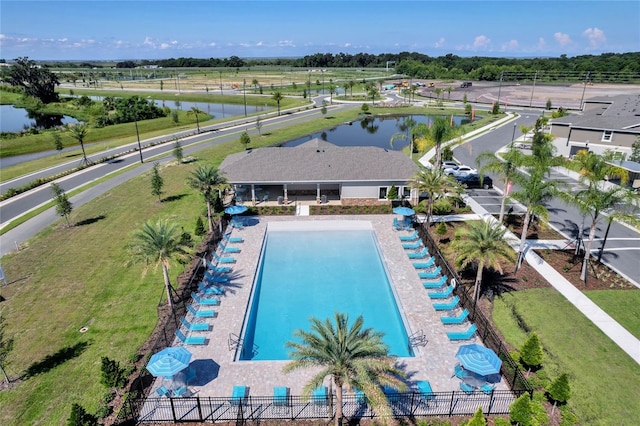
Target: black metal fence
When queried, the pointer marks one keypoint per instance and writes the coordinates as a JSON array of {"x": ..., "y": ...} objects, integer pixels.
[
  {"x": 253, "y": 409},
  {"x": 510, "y": 370}
]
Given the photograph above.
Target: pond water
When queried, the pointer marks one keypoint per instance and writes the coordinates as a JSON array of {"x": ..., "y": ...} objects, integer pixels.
[
  {"x": 370, "y": 131},
  {"x": 14, "y": 119}
]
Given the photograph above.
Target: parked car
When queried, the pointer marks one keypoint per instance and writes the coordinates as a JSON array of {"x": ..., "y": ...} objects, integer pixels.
[
  {"x": 473, "y": 181},
  {"x": 460, "y": 171},
  {"x": 449, "y": 164}
]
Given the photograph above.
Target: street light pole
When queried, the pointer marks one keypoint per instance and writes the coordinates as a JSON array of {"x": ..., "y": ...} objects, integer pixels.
[
  {"x": 135, "y": 120},
  {"x": 244, "y": 94},
  {"x": 513, "y": 136},
  {"x": 220, "y": 82}
]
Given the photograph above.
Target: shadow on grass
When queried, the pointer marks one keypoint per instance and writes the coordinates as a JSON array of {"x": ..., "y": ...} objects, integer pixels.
[
  {"x": 90, "y": 220},
  {"x": 51, "y": 361},
  {"x": 173, "y": 198}
]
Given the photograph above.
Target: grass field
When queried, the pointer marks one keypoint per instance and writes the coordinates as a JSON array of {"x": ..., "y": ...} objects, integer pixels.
[{"x": 603, "y": 378}]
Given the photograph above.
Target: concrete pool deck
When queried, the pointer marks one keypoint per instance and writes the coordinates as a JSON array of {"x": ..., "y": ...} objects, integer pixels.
[{"x": 217, "y": 372}]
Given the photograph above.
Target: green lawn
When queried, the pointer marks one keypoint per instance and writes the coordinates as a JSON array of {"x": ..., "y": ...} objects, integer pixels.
[
  {"x": 623, "y": 306},
  {"x": 603, "y": 378}
]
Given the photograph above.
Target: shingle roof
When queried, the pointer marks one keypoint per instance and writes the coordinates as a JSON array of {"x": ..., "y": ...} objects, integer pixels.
[
  {"x": 318, "y": 161},
  {"x": 621, "y": 112}
]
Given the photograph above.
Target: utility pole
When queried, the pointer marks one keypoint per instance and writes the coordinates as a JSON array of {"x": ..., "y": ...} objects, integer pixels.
[
  {"x": 586, "y": 79},
  {"x": 244, "y": 94},
  {"x": 533, "y": 88},
  {"x": 500, "y": 90}
]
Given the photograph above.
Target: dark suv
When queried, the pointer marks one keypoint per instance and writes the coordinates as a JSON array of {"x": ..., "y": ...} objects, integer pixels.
[{"x": 473, "y": 181}]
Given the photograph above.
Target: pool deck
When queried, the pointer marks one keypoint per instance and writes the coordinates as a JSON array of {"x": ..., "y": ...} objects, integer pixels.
[{"x": 216, "y": 370}]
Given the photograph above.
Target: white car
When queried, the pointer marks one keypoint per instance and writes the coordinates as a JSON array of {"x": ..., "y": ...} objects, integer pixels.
[
  {"x": 449, "y": 164},
  {"x": 460, "y": 171}
]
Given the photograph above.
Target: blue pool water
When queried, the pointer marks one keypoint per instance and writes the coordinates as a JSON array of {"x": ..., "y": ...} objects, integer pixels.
[{"x": 317, "y": 273}]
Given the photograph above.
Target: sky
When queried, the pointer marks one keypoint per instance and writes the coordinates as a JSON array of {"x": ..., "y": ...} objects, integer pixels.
[{"x": 148, "y": 29}]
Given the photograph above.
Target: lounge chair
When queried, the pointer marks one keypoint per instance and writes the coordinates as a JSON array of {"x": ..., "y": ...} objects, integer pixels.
[
  {"x": 181, "y": 391},
  {"x": 191, "y": 340},
  {"x": 212, "y": 278},
  {"x": 201, "y": 313},
  {"x": 223, "y": 259},
  {"x": 419, "y": 255},
  {"x": 198, "y": 326},
  {"x": 466, "y": 388},
  {"x": 225, "y": 249},
  {"x": 227, "y": 237},
  {"x": 487, "y": 388},
  {"x": 448, "y": 305},
  {"x": 217, "y": 269},
  {"x": 425, "y": 265},
  {"x": 204, "y": 301},
  {"x": 412, "y": 246},
  {"x": 457, "y": 319},
  {"x": 459, "y": 372},
  {"x": 430, "y": 274},
  {"x": 411, "y": 237},
  {"x": 320, "y": 395},
  {"x": 239, "y": 199},
  {"x": 426, "y": 393},
  {"x": 361, "y": 398},
  {"x": 207, "y": 289},
  {"x": 462, "y": 335},
  {"x": 441, "y": 294},
  {"x": 162, "y": 391},
  {"x": 435, "y": 284},
  {"x": 280, "y": 396},
  {"x": 396, "y": 224},
  {"x": 239, "y": 395}
]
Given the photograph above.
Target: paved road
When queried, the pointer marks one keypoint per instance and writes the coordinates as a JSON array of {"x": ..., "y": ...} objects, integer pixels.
[
  {"x": 16, "y": 206},
  {"x": 622, "y": 250}
]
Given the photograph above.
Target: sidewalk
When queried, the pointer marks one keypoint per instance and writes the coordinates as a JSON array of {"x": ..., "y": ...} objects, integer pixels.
[{"x": 620, "y": 336}]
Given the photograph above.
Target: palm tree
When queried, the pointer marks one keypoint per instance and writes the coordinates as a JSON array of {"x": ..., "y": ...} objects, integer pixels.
[
  {"x": 351, "y": 83},
  {"x": 156, "y": 244},
  {"x": 505, "y": 168},
  {"x": 412, "y": 131},
  {"x": 208, "y": 180},
  {"x": 195, "y": 111},
  {"x": 434, "y": 182},
  {"x": 595, "y": 168},
  {"x": 255, "y": 85},
  {"x": 79, "y": 132},
  {"x": 277, "y": 96},
  {"x": 534, "y": 193},
  {"x": 481, "y": 243},
  {"x": 440, "y": 130},
  {"x": 351, "y": 356},
  {"x": 332, "y": 90}
]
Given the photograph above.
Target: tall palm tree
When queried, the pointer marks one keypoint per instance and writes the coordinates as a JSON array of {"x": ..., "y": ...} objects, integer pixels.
[
  {"x": 196, "y": 112},
  {"x": 534, "y": 192},
  {"x": 332, "y": 90},
  {"x": 440, "y": 130},
  {"x": 481, "y": 243},
  {"x": 412, "y": 131},
  {"x": 158, "y": 243},
  {"x": 209, "y": 181},
  {"x": 351, "y": 83},
  {"x": 350, "y": 355},
  {"x": 277, "y": 96},
  {"x": 79, "y": 132},
  {"x": 436, "y": 183},
  {"x": 595, "y": 168},
  {"x": 255, "y": 85},
  {"x": 506, "y": 168}
]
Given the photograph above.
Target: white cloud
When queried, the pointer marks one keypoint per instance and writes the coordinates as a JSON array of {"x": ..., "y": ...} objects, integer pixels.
[
  {"x": 510, "y": 46},
  {"x": 439, "y": 43},
  {"x": 286, "y": 43},
  {"x": 174, "y": 42},
  {"x": 596, "y": 37},
  {"x": 164, "y": 46},
  {"x": 481, "y": 41},
  {"x": 62, "y": 40},
  {"x": 541, "y": 43},
  {"x": 212, "y": 44},
  {"x": 148, "y": 41},
  {"x": 260, "y": 44},
  {"x": 2, "y": 36},
  {"x": 347, "y": 45},
  {"x": 562, "y": 39}
]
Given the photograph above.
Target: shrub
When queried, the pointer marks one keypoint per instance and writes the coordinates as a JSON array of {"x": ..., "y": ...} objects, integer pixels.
[
  {"x": 199, "y": 231},
  {"x": 499, "y": 421},
  {"x": 80, "y": 417},
  {"x": 112, "y": 374},
  {"x": 531, "y": 353},
  {"x": 520, "y": 411},
  {"x": 559, "y": 391},
  {"x": 477, "y": 419},
  {"x": 442, "y": 206},
  {"x": 393, "y": 193},
  {"x": 567, "y": 418}
]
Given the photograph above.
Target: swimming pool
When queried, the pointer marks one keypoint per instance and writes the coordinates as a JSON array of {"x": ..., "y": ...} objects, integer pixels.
[{"x": 317, "y": 272}]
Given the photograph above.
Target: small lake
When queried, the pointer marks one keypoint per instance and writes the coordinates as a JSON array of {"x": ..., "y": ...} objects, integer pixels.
[
  {"x": 14, "y": 119},
  {"x": 370, "y": 131}
]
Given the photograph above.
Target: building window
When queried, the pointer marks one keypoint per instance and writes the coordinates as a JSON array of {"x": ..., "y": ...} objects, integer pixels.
[
  {"x": 406, "y": 192},
  {"x": 607, "y": 135},
  {"x": 382, "y": 193}
]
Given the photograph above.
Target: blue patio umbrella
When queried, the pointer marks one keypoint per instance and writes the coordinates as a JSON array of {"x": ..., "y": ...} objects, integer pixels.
[
  {"x": 404, "y": 211},
  {"x": 233, "y": 210},
  {"x": 169, "y": 361},
  {"x": 478, "y": 359}
]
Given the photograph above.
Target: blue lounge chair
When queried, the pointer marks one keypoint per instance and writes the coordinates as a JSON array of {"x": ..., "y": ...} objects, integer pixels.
[
  {"x": 198, "y": 326},
  {"x": 162, "y": 391},
  {"x": 320, "y": 395},
  {"x": 448, "y": 305},
  {"x": 419, "y": 255},
  {"x": 209, "y": 290},
  {"x": 205, "y": 301},
  {"x": 396, "y": 224},
  {"x": 457, "y": 319},
  {"x": 280, "y": 395},
  {"x": 191, "y": 340},
  {"x": 225, "y": 249},
  {"x": 361, "y": 398},
  {"x": 462, "y": 335},
  {"x": 441, "y": 294},
  {"x": 222, "y": 259},
  {"x": 426, "y": 393},
  {"x": 412, "y": 246},
  {"x": 487, "y": 388},
  {"x": 228, "y": 238},
  {"x": 430, "y": 274},
  {"x": 212, "y": 278},
  {"x": 466, "y": 388},
  {"x": 217, "y": 269},
  {"x": 411, "y": 237},
  {"x": 459, "y": 372},
  {"x": 239, "y": 395},
  {"x": 435, "y": 284},
  {"x": 181, "y": 391},
  {"x": 201, "y": 313},
  {"x": 425, "y": 265}
]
